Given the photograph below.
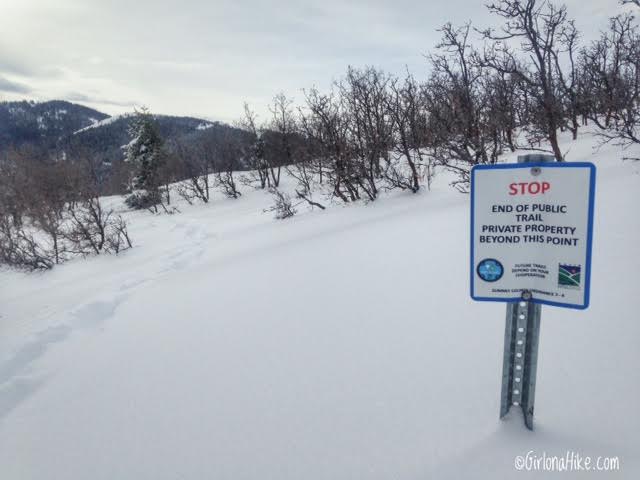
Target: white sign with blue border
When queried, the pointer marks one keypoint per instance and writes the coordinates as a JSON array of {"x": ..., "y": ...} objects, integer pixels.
[{"x": 531, "y": 230}]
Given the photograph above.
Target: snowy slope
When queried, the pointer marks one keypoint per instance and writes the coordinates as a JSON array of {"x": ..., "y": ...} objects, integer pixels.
[
  {"x": 102, "y": 123},
  {"x": 334, "y": 345}
]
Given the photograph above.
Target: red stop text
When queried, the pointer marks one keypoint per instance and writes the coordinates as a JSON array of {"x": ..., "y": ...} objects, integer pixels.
[{"x": 529, "y": 188}]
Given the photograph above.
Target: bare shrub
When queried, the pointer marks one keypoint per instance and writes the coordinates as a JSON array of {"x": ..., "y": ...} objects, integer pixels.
[
  {"x": 304, "y": 190},
  {"x": 51, "y": 211},
  {"x": 92, "y": 230},
  {"x": 19, "y": 249},
  {"x": 194, "y": 163},
  {"x": 226, "y": 182},
  {"x": 230, "y": 150},
  {"x": 611, "y": 68},
  {"x": 118, "y": 236},
  {"x": 282, "y": 207}
]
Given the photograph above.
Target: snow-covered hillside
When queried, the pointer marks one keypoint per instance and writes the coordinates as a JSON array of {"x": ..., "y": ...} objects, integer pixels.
[
  {"x": 338, "y": 344},
  {"x": 102, "y": 123}
]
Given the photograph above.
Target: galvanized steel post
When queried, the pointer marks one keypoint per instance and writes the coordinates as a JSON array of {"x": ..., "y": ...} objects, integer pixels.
[{"x": 521, "y": 337}]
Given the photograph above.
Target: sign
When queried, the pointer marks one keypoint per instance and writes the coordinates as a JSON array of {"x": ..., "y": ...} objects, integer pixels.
[{"x": 531, "y": 230}]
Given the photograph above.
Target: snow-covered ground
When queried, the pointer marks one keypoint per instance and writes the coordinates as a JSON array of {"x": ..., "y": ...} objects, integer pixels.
[
  {"x": 339, "y": 344},
  {"x": 102, "y": 123}
]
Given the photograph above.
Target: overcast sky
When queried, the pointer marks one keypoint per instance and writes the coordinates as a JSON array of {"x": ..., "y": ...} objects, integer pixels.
[{"x": 206, "y": 57}]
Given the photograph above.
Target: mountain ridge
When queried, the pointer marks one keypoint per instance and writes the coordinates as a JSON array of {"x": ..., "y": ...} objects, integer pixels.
[
  {"x": 52, "y": 124},
  {"x": 58, "y": 130}
]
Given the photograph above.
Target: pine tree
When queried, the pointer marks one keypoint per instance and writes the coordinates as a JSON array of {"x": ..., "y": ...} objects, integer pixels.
[{"x": 145, "y": 152}]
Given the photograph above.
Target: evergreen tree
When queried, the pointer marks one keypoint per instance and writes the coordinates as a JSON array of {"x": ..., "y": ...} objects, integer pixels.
[{"x": 145, "y": 152}]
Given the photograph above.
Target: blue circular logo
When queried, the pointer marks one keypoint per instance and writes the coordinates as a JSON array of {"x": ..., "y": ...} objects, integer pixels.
[{"x": 490, "y": 270}]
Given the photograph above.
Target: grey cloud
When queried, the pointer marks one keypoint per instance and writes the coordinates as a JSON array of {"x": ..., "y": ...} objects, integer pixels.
[
  {"x": 81, "y": 97},
  {"x": 209, "y": 56},
  {"x": 13, "y": 87},
  {"x": 27, "y": 64},
  {"x": 11, "y": 65}
]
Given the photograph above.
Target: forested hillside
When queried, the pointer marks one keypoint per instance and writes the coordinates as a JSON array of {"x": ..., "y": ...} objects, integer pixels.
[
  {"x": 44, "y": 124},
  {"x": 62, "y": 131}
]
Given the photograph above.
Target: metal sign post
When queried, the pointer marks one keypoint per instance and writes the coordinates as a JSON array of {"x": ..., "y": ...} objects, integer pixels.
[
  {"x": 531, "y": 243},
  {"x": 520, "y": 361},
  {"x": 521, "y": 338}
]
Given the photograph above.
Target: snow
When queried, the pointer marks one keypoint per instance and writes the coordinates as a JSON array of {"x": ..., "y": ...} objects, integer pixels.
[
  {"x": 204, "y": 125},
  {"x": 338, "y": 344},
  {"x": 102, "y": 123}
]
